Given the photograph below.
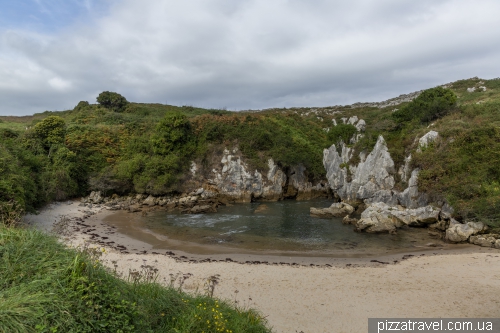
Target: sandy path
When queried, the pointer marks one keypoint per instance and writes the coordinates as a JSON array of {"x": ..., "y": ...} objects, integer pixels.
[{"x": 332, "y": 299}]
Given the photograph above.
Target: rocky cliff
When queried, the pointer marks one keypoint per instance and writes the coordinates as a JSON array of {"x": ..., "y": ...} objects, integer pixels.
[{"x": 233, "y": 179}]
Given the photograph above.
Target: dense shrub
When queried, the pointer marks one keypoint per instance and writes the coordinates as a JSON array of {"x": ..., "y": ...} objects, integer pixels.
[
  {"x": 341, "y": 132},
  {"x": 431, "y": 104},
  {"x": 51, "y": 130},
  {"x": 112, "y": 101}
]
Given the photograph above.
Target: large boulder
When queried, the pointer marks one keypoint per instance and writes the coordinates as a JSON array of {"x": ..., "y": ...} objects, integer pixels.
[
  {"x": 378, "y": 218},
  {"x": 339, "y": 209},
  {"x": 417, "y": 217},
  {"x": 458, "y": 232}
]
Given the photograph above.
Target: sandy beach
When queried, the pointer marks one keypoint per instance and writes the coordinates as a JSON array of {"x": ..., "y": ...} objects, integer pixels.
[{"x": 303, "y": 294}]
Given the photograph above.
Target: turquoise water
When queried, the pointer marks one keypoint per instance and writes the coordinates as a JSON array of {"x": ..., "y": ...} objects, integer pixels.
[{"x": 284, "y": 226}]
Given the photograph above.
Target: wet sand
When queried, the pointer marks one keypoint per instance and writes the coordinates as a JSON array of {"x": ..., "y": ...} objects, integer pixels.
[{"x": 309, "y": 294}]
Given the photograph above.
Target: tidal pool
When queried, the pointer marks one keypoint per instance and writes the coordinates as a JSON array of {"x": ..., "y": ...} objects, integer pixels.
[{"x": 283, "y": 228}]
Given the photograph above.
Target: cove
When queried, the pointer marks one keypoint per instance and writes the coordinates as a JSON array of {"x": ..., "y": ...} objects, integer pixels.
[{"x": 275, "y": 228}]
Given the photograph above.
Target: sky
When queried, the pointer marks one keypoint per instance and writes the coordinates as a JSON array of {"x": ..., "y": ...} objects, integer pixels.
[{"x": 239, "y": 55}]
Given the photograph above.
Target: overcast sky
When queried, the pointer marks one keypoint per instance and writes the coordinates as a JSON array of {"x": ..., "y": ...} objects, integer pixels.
[{"x": 239, "y": 54}]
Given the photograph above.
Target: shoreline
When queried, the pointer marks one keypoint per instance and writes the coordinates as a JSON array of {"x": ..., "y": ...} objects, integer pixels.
[{"x": 309, "y": 294}]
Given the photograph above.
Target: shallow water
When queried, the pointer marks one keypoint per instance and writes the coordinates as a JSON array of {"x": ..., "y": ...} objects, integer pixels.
[{"x": 283, "y": 227}]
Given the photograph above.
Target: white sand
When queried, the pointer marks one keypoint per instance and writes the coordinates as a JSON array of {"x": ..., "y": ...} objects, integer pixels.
[{"x": 330, "y": 299}]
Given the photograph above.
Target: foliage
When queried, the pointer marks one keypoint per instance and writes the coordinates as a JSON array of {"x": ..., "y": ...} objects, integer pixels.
[
  {"x": 51, "y": 130},
  {"x": 172, "y": 132},
  {"x": 82, "y": 105},
  {"x": 341, "y": 132},
  {"x": 112, "y": 101},
  {"x": 463, "y": 166},
  {"x": 431, "y": 104},
  {"x": 46, "y": 287}
]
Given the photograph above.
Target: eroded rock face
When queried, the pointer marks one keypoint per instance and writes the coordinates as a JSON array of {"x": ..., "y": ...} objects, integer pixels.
[
  {"x": 339, "y": 209},
  {"x": 372, "y": 180},
  {"x": 235, "y": 181},
  {"x": 458, "y": 232}
]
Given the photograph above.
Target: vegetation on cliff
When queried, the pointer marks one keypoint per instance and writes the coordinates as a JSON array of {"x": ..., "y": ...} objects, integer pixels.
[{"x": 117, "y": 146}]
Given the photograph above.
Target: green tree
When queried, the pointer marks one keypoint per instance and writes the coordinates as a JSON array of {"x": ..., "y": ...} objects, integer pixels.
[
  {"x": 51, "y": 130},
  {"x": 113, "y": 101},
  {"x": 431, "y": 104}
]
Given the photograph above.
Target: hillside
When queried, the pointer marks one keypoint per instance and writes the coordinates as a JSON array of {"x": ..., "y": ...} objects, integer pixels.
[{"x": 149, "y": 148}]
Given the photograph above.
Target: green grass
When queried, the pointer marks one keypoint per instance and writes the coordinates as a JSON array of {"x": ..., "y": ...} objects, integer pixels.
[{"x": 46, "y": 287}]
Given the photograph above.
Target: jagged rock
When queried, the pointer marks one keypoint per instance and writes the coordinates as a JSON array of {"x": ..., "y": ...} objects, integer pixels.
[
  {"x": 277, "y": 180},
  {"x": 410, "y": 197},
  {"x": 458, "y": 232},
  {"x": 404, "y": 170},
  {"x": 335, "y": 210},
  {"x": 202, "y": 209},
  {"x": 352, "y": 120},
  {"x": 150, "y": 201},
  {"x": 488, "y": 240},
  {"x": 349, "y": 220},
  {"x": 95, "y": 197},
  {"x": 361, "y": 125},
  {"x": 428, "y": 138}
]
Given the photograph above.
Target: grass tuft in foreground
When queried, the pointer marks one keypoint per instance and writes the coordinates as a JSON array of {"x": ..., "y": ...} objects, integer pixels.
[{"x": 46, "y": 287}]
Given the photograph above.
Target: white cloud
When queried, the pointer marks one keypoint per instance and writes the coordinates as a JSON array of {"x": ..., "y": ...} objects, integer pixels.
[{"x": 253, "y": 53}]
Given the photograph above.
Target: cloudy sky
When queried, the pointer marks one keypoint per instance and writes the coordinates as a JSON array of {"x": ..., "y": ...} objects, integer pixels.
[{"x": 239, "y": 54}]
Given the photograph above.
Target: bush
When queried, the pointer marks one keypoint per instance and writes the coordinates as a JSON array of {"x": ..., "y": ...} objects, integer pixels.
[
  {"x": 172, "y": 133},
  {"x": 431, "y": 104},
  {"x": 51, "y": 130},
  {"x": 341, "y": 132},
  {"x": 113, "y": 101}
]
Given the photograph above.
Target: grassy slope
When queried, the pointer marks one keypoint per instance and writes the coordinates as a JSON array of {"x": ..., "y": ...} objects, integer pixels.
[{"x": 46, "y": 287}]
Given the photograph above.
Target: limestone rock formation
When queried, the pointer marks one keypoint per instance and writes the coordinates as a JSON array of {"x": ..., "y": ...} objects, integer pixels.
[
  {"x": 458, "y": 232},
  {"x": 236, "y": 182},
  {"x": 380, "y": 217},
  {"x": 339, "y": 209}
]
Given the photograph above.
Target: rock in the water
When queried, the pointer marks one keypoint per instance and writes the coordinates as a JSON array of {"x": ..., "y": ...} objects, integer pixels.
[
  {"x": 199, "y": 209},
  {"x": 378, "y": 218},
  {"x": 458, "y": 232},
  {"x": 335, "y": 210},
  {"x": 349, "y": 220}
]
